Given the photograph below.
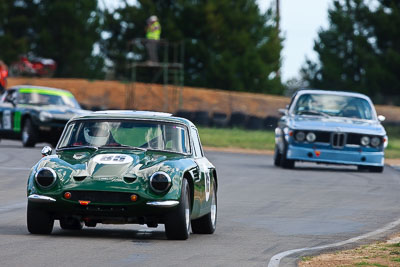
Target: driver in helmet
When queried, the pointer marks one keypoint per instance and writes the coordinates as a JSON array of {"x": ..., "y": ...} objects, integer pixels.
[{"x": 97, "y": 133}]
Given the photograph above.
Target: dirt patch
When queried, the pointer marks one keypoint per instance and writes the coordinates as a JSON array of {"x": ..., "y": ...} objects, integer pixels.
[{"x": 385, "y": 253}]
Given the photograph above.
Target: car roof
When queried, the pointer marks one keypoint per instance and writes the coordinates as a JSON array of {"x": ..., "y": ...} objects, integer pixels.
[
  {"x": 134, "y": 114},
  {"x": 19, "y": 87},
  {"x": 329, "y": 92}
]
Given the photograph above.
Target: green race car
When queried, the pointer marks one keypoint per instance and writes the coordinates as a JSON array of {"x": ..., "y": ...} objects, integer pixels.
[
  {"x": 125, "y": 167},
  {"x": 35, "y": 114}
]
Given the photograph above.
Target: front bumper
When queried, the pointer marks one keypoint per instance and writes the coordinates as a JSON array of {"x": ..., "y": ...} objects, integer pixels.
[
  {"x": 335, "y": 156},
  {"x": 162, "y": 204},
  {"x": 135, "y": 212}
]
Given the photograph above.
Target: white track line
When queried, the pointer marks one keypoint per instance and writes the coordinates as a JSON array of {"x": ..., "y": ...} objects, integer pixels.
[{"x": 275, "y": 260}]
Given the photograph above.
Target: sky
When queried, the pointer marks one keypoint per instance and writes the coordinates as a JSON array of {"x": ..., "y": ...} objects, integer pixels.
[{"x": 300, "y": 22}]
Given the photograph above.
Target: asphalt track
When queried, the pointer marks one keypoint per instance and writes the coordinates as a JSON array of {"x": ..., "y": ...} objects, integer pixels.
[{"x": 263, "y": 212}]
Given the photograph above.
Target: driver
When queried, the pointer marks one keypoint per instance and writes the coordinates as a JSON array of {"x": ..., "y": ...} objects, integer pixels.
[{"x": 97, "y": 133}]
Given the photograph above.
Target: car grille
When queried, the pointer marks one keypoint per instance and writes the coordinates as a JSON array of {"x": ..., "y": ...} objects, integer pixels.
[
  {"x": 338, "y": 140},
  {"x": 101, "y": 196}
]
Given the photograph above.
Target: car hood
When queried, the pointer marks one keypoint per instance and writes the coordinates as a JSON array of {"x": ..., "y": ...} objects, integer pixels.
[
  {"x": 112, "y": 164},
  {"x": 320, "y": 123},
  {"x": 58, "y": 112}
]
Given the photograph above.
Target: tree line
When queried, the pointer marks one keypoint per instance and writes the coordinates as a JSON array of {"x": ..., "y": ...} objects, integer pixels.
[
  {"x": 360, "y": 50},
  {"x": 229, "y": 45}
]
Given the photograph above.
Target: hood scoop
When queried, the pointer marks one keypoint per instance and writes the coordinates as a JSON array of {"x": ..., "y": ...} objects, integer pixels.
[
  {"x": 80, "y": 175},
  {"x": 79, "y": 178}
]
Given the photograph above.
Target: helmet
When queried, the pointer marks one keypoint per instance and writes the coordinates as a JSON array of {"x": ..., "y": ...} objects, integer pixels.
[
  {"x": 97, "y": 133},
  {"x": 152, "y": 19}
]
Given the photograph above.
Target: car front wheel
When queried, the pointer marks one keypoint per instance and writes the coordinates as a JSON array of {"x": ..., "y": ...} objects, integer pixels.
[
  {"x": 277, "y": 157},
  {"x": 285, "y": 162},
  {"x": 28, "y": 135},
  {"x": 376, "y": 169},
  {"x": 207, "y": 223},
  {"x": 177, "y": 224},
  {"x": 39, "y": 221}
]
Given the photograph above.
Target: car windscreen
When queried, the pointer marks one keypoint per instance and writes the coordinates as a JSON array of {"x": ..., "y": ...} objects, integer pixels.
[
  {"x": 43, "y": 97},
  {"x": 334, "y": 105},
  {"x": 126, "y": 133}
]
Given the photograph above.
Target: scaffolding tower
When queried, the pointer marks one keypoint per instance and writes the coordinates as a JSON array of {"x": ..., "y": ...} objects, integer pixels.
[{"x": 169, "y": 72}]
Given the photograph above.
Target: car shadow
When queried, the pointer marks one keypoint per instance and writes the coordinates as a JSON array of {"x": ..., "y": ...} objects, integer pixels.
[
  {"x": 137, "y": 236},
  {"x": 123, "y": 234},
  {"x": 324, "y": 169}
]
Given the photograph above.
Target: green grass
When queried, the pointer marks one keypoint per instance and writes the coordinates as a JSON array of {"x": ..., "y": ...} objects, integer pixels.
[
  {"x": 237, "y": 138},
  {"x": 265, "y": 140}
]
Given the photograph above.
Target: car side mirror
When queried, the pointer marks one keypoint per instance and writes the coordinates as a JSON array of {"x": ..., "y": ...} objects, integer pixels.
[
  {"x": 381, "y": 118},
  {"x": 47, "y": 151},
  {"x": 283, "y": 111}
]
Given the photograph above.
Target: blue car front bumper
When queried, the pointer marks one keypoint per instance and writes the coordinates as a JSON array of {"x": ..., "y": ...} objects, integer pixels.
[{"x": 335, "y": 156}]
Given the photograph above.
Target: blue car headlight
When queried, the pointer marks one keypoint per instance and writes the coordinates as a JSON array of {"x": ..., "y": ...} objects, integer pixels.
[
  {"x": 375, "y": 141},
  {"x": 365, "y": 140},
  {"x": 310, "y": 137},
  {"x": 300, "y": 136}
]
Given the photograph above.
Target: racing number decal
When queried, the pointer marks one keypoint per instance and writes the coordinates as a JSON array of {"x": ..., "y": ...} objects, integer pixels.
[
  {"x": 112, "y": 159},
  {"x": 207, "y": 179},
  {"x": 7, "y": 119},
  {"x": 208, "y": 185}
]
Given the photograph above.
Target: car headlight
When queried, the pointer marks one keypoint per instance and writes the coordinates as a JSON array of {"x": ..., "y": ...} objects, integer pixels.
[
  {"x": 45, "y": 116},
  {"x": 160, "y": 182},
  {"x": 311, "y": 137},
  {"x": 300, "y": 136},
  {"x": 365, "y": 140},
  {"x": 375, "y": 141},
  {"x": 46, "y": 177}
]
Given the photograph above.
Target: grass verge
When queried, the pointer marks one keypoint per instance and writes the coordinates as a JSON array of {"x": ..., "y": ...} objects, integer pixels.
[
  {"x": 265, "y": 140},
  {"x": 380, "y": 254},
  {"x": 237, "y": 138}
]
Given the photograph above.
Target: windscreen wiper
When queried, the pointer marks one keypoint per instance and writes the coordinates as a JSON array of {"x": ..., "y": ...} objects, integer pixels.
[
  {"x": 123, "y": 146},
  {"x": 78, "y": 147},
  {"x": 312, "y": 112}
]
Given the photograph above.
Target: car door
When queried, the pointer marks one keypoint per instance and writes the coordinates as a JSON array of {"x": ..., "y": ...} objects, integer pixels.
[
  {"x": 202, "y": 181},
  {"x": 10, "y": 117}
]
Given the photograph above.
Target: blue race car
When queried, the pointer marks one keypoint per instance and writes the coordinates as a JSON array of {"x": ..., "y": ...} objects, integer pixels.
[{"x": 330, "y": 127}]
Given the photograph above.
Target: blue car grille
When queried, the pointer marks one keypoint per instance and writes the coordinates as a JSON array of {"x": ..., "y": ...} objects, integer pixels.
[{"x": 338, "y": 139}]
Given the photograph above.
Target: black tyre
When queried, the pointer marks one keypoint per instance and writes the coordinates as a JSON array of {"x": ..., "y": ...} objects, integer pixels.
[
  {"x": 375, "y": 169},
  {"x": 207, "y": 224},
  {"x": 285, "y": 162},
  {"x": 177, "y": 224},
  {"x": 29, "y": 134},
  {"x": 71, "y": 224},
  {"x": 39, "y": 221},
  {"x": 277, "y": 157}
]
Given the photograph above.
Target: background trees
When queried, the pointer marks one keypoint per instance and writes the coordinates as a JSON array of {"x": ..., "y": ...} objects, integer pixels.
[
  {"x": 62, "y": 30},
  {"x": 360, "y": 51},
  {"x": 228, "y": 44}
]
